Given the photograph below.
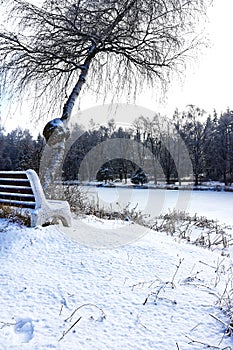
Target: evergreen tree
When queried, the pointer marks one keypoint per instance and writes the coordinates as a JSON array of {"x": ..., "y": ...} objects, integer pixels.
[{"x": 225, "y": 146}]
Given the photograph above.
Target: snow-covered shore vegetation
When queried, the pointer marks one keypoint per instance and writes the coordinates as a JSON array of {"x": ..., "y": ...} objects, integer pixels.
[{"x": 159, "y": 291}]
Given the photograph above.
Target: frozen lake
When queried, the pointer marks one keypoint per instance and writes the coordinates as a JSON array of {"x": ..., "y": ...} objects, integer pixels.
[{"x": 213, "y": 205}]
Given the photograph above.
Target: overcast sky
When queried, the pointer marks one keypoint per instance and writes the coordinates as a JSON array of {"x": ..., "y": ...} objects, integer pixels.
[{"x": 208, "y": 83}]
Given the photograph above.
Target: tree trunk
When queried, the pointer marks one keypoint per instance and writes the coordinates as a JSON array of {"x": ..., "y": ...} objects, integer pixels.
[
  {"x": 53, "y": 172},
  {"x": 57, "y": 159},
  {"x": 155, "y": 170},
  {"x": 56, "y": 131}
]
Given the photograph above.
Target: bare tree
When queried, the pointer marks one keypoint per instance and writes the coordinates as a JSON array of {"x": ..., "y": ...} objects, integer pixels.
[
  {"x": 148, "y": 132},
  {"x": 195, "y": 135},
  {"x": 121, "y": 44}
]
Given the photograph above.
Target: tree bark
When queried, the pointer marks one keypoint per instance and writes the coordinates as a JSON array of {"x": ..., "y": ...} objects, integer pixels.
[
  {"x": 68, "y": 107},
  {"x": 56, "y": 131}
]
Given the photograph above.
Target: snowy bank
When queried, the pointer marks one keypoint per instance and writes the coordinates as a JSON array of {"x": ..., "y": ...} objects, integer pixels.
[{"x": 154, "y": 293}]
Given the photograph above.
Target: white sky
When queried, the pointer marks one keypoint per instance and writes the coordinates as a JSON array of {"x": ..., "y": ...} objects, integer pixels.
[{"x": 208, "y": 83}]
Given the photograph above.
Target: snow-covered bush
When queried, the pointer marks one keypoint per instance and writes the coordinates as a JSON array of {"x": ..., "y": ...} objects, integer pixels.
[
  {"x": 194, "y": 229},
  {"x": 139, "y": 177}
]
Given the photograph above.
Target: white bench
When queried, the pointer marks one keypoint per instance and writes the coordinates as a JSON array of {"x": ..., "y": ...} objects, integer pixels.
[{"x": 22, "y": 190}]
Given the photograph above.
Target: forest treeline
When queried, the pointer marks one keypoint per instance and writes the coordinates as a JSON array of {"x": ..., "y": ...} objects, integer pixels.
[{"x": 158, "y": 146}]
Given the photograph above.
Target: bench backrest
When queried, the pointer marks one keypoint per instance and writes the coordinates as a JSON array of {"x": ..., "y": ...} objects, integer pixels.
[{"x": 20, "y": 189}]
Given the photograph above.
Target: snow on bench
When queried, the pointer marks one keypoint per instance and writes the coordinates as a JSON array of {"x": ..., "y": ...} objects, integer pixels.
[{"x": 22, "y": 190}]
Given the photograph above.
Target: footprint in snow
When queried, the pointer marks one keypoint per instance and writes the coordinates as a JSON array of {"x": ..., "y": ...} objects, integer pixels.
[{"x": 24, "y": 329}]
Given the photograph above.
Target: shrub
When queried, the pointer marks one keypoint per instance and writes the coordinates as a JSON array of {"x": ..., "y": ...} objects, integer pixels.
[{"x": 18, "y": 215}]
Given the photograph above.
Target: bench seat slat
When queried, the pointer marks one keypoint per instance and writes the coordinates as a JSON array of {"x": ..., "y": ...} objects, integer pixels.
[
  {"x": 15, "y": 182},
  {"x": 16, "y": 189},
  {"x": 14, "y": 203},
  {"x": 17, "y": 203},
  {"x": 17, "y": 196},
  {"x": 13, "y": 174}
]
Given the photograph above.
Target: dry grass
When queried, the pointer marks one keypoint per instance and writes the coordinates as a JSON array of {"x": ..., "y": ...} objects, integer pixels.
[
  {"x": 17, "y": 215},
  {"x": 194, "y": 229},
  {"x": 81, "y": 204}
]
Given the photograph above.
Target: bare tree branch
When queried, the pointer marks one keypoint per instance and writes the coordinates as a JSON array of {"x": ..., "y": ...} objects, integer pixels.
[
  {"x": 121, "y": 45},
  {"x": 135, "y": 40}
]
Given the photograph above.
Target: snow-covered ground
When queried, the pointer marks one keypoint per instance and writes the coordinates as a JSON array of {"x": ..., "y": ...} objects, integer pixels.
[{"x": 152, "y": 293}]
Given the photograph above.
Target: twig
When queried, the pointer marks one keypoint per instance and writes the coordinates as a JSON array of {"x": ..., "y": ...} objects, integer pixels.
[
  {"x": 142, "y": 284},
  {"x": 204, "y": 263},
  {"x": 163, "y": 286},
  {"x": 64, "y": 333},
  {"x": 156, "y": 280},
  {"x": 146, "y": 299},
  {"x": 206, "y": 344},
  {"x": 218, "y": 319},
  {"x": 197, "y": 325},
  {"x": 156, "y": 294},
  {"x": 80, "y": 307},
  {"x": 61, "y": 309},
  {"x": 4, "y": 324},
  {"x": 177, "y": 269},
  {"x": 140, "y": 323},
  {"x": 229, "y": 327}
]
